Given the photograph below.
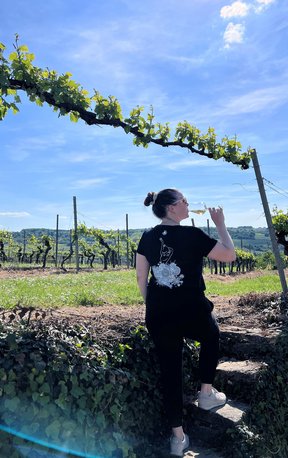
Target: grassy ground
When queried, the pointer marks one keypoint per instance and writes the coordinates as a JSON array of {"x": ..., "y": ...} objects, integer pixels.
[
  {"x": 95, "y": 288},
  {"x": 113, "y": 287},
  {"x": 267, "y": 283}
]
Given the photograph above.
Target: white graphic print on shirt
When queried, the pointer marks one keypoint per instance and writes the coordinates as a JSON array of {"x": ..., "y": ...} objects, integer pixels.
[{"x": 167, "y": 273}]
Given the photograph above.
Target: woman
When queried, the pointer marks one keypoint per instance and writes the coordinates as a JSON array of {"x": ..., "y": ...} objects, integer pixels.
[{"x": 176, "y": 306}]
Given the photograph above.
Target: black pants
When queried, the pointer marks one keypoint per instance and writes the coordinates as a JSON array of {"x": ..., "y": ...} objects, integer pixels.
[{"x": 168, "y": 323}]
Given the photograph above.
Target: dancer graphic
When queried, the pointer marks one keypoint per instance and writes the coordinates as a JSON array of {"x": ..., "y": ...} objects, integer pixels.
[{"x": 166, "y": 252}]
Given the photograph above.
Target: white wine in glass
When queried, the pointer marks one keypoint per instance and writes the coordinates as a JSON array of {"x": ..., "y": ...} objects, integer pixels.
[{"x": 198, "y": 207}]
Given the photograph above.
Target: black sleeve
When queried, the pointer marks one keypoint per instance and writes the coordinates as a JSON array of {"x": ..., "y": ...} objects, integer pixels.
[
  {"x": 205, "y": 243},
  {"x": 142, "y": 246}
]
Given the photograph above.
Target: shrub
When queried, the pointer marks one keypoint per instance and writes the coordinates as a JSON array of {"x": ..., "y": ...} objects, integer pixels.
[
  {"x": 264, "y": 431},
  {"x": 58, "y": 385}
]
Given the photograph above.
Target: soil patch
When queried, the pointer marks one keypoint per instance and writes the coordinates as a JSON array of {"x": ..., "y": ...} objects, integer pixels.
[
  {"x": 20, "y": 272},
  {"x": 111, "y": 323},
  {"x": 114, "y": 322}
]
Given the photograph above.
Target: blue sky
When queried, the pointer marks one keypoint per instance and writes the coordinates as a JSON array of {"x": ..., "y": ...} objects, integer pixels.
[{"x": 211, "y": 62}]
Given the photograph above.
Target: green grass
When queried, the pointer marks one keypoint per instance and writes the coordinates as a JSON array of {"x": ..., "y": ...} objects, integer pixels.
[
  {"x": 112, "y": 287},
  {"x": 95, "y": 288},
  {"x": 267, "y": 283}
]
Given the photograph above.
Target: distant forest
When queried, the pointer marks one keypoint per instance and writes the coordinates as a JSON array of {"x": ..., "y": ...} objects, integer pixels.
[{"x": 248, "y": 238}]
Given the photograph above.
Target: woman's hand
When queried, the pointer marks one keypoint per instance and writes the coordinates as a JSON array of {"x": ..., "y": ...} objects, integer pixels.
[
  {"x": 224, "y": 249},
  {"x": 217, "y": 216}
]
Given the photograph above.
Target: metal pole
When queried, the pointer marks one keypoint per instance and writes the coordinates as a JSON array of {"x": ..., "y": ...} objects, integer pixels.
[
  {"x": 76, "y": 234},
  {"x": 271, "y": 229},
  {"x": 56, "y": 241},
  {"x": 193, "y": 222}
]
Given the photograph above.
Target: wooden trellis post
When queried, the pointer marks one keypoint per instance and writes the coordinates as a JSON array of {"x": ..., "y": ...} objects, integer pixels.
[
  {"x": 57, "y": 240},
  {"x": 271, "y": 229},
  {"x": 76, "y": 234},
  {"x": 127, "y": 241}
]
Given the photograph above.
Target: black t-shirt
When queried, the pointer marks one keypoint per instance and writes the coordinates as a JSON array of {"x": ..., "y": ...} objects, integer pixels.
[{"x": 175, "y": 254}]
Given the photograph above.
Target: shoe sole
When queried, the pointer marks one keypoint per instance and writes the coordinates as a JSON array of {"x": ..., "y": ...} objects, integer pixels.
[
  {"x": 184, "y": 450},
  {"x": 213, "y": 407}
]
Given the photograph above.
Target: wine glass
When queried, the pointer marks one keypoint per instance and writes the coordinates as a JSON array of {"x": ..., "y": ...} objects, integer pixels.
[{"x": 198, "y": 207}]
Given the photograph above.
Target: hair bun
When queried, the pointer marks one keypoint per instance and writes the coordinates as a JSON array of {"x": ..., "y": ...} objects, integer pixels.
[{"x": 150, "y": 199}]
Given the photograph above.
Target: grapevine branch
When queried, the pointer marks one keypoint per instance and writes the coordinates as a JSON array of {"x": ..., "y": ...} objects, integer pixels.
[
  {"x": 65, "y": 95},
  {"x": 91, "y": 119}
]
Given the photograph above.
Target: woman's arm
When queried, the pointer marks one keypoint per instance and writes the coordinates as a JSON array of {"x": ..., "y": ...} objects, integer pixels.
[
  {"x": 224, "y": 249},
  {"x": 142, "y": 271}
]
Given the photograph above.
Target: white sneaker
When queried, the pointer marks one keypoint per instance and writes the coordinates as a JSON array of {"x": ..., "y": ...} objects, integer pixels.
[
  {"x": 178, "y": 446},
  {"x": 208, "y": 401}
]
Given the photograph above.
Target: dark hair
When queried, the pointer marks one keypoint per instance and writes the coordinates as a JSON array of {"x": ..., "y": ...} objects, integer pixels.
[{"x": 161, "y": 200}]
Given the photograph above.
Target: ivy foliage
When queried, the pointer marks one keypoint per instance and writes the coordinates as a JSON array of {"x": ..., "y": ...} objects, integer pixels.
[
  {"x": 263, "y": 432},
  {"x": 67, "y": 97},
  {"x": 62, "y": 386}
]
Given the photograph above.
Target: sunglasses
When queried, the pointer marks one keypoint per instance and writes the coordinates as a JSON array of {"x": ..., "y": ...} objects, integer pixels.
[{"x": 181, "y": 200}]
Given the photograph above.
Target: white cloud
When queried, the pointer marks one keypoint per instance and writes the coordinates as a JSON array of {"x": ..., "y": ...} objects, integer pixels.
[
  {"x": 20, "y": 148},
  {"x": 236, "y": 9},
  {"x": 187, "y": 61},
  {"x": 15, "y": 214},
  {"x": 89, "y": 183},
  {"x": 234, "y": 33},
  {"x": 256, "y": 101},
  {"x": 77, "y": 157},
  {"x": 183, "y": 164},
  {"x": 263, "y": 4}
]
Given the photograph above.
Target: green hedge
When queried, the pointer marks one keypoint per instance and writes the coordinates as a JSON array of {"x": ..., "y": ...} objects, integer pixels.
[
  {"x": 264, "y": 431},
  {"x": 58, "y": 385}
]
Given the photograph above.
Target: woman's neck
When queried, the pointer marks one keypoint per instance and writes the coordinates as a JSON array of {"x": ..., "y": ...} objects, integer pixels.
[{"x": 169, "y": 222}]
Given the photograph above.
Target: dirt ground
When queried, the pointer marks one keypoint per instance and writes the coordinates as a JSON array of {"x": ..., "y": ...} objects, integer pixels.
[
  {"x": 27, "y": 272},
  {"x": 115, "y": 322}
]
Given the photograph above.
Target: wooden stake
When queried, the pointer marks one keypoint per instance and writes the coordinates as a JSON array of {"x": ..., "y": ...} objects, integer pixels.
[
  {"x": 127, "y": 242},
  {"x": 208, "y": 227},
  {"x": 56, "y": 241},
  {"x": 271, "y": 229},
  {"x": 118, "y": 247},
  {"x": 24, "y": 243},
  {"x": 76, "y": 234}
]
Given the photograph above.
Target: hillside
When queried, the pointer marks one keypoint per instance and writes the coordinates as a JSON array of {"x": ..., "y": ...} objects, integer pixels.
[{"x": 247, "y": 237}]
